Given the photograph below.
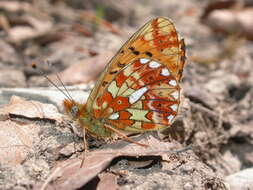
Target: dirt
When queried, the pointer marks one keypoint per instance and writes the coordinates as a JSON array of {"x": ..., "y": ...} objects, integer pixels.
[{"x": 211, "y": 138}]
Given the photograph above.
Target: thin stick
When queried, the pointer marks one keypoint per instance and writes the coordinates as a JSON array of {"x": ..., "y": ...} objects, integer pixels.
[
  {"x": 86, "y": 148},
  {"x": 51, "y": 177},
  {"x": 124, "y": 136}
]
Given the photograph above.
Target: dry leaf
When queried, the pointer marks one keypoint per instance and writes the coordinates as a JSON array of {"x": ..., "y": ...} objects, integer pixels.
[
  {"x": 232, "y": 21},
  {"x": 69, "y": 175},
  {"x": 85, "y": 70},
  {"x": 30, "y": 109},
  {"x": 18, "y": 136},
  {"x": 107, "y": 181}
]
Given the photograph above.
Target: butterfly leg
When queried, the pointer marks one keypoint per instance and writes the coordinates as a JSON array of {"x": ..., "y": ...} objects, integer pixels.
[
  {"x": 124, "y": 136},
  {"x": 86, "y": 148}
]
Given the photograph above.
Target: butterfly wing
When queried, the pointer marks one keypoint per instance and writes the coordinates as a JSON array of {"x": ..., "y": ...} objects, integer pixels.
[{"x": 139, "y": 89}]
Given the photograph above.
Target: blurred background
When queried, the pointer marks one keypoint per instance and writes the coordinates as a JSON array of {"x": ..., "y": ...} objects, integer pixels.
[
  {"x": 70, "y": 33},
  {"x": 79, "y": 37}
]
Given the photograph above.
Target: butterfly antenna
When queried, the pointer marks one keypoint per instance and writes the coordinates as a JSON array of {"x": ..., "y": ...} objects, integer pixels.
[
  {"x": 59, "y": 79},
  {"x": 34, "y": 66},
  {"x": 62, "y": 91},
  {"x": 64, "y": 86}
]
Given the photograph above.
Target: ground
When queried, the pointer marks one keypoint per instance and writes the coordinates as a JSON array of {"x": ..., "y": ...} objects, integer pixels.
[{"x": 210, "y": 140}]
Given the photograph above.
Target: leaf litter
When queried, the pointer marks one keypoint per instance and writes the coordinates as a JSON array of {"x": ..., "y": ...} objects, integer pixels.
[{"x": 46, "y": 136}]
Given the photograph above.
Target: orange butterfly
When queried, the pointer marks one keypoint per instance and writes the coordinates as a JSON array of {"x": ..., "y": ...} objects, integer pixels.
[{"x": 139, "y": 89}]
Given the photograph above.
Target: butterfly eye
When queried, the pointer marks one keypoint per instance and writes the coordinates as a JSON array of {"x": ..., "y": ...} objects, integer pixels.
[{"x": 74, "y": 111}]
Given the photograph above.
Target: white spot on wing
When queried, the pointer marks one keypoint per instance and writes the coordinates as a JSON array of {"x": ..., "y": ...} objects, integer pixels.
[
  {"x": 137, "y": 95},
  {"x": 165, "y": 72},
  {"x": 170, "y": 118},
  {"x": 172, "y": 83},
  {"x": 174, "y": 107},
  {"x": 114, "y": 116},
  {"x": 175, "y": 94},
  {"x": 143, "y": 60},
  {"x": 154, "y": 64}
]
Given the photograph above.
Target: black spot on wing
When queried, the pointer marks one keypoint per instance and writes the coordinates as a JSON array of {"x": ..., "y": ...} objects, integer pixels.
[{"x": 148, "y": 53}]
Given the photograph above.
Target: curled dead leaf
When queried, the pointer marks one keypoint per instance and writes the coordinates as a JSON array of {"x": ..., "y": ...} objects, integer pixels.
[{"x": 69, "y": 175}]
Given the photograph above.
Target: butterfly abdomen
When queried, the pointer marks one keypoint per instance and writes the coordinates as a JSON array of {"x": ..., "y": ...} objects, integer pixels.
[{"x": 95, "y": 127}]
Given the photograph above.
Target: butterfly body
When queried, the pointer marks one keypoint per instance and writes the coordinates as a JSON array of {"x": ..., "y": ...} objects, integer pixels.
[
  {"x": 77, "y": 112},
  {"x": 139, "y": 89}
]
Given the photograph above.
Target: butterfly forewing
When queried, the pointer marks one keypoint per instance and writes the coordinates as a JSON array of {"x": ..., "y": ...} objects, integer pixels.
[{"x": 139, "y": 89}]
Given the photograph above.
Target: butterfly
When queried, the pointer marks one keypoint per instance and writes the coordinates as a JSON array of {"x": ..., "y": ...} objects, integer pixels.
[{"x": 139, "y": 89}]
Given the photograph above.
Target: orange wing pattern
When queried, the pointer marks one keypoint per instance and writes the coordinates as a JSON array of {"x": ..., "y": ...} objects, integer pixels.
[{"x": 139, "y": 89}]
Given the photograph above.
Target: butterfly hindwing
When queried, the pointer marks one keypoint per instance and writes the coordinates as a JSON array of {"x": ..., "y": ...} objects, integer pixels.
[{"x": 139, "y": 88}]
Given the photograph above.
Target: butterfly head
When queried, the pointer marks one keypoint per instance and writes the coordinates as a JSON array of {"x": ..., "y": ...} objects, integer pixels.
[{"x": 73, "y": 109}]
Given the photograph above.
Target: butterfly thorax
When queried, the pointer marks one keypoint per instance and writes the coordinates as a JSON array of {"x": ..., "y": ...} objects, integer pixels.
[{"x": 78, "y": 112}]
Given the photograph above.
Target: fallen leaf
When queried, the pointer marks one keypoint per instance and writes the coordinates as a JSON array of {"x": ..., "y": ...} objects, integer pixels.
[
  {"x": 30, "y": 109},
  {"x": 18, "y": 136},
  {"x": 85, "y": 70},
  {"x": 107, "y": 181},
  {"x": 16, "y": 141},
  {"x": 232, "y": 21},
  {"x": 37, "y": 28},
  {"x": 12, "y": 78},
  {"x": 69, "y": 175}
]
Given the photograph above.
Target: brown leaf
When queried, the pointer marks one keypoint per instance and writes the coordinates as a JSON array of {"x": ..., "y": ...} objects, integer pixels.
[
  {"x": 107, "y": 181},
  {"x": 16, "y": 141},
  {"x": 12, "y": 78},
  {"x": 36, "y": 29},
  {"x": 14, "y": 6},
  {"x": 85, "y": 70},
  {"x": 17, "y": 136},
  {"x": 69, "y": 175},
  {"x": 232, "y": 21},
  {"x": 29, "y": 109}
]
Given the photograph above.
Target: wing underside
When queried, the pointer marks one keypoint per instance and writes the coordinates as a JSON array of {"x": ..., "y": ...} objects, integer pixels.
[{"x": 139, "y": 89}]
